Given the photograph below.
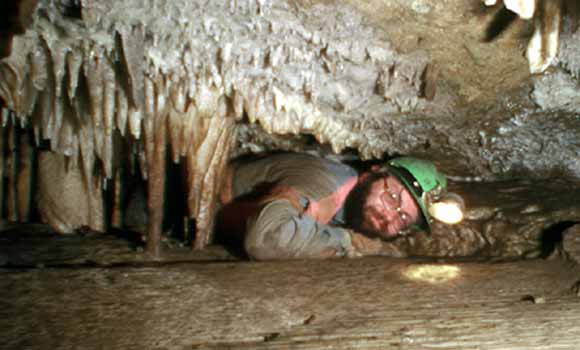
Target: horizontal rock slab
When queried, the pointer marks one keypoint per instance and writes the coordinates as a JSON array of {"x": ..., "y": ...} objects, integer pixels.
[{"x": 368, "y": 303}]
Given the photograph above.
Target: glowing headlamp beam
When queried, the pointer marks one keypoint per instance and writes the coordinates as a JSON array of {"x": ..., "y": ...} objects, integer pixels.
[{"x": 448, "y": 210}]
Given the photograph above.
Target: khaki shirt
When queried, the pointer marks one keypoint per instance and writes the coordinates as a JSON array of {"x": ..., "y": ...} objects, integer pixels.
[{"x": 280, "y": 230}]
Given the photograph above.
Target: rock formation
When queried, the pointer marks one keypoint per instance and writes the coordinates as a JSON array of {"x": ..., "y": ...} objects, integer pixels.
[{"x": 98, "y": 93}]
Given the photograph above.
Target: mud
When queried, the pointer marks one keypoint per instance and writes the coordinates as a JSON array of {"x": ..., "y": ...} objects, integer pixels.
[{"x": 504, "y": 219}]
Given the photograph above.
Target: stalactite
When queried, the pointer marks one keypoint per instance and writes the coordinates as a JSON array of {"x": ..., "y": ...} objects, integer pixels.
[
  {"x": 188, "y": 130},
  {"x": 177, "y": 120},
  {"x": 5, "y": 115},
  {"x": 90, "y": 181},
  {"x": 131, "y": 42},
  {"x": 3, "y": 137},
  {"x": 238, "y": 105},
  {"x": 56, "y": 56},
  {"x": 66, "y": 141},
  {"x": 251, "y": 101},
  {"x": 57, "y": 59},
  {"x": 142, "y": 156},
  {"x": 156, "y": 145},
  {"x": 74, "y": 63},
  {"x": 25, "y": 170},
  {"x": 117, "y": 210},
  {"x": 67, "y": 199},
  {"x": 12, "y": 172},
  {"x": 122, "y": 111},
  {"x": 29, "y": 96},
  {"x": 109, "y": 87},
  {"x": 135, "y": 119},
  {"x": 38, "y": 68},
  {"x": 44, "y": 114},
  {"x": 206, "y": 99},
  {"x": 199, "y": 152},
  {"x": 175, "y": 130},
  {"x": 204, "y": 164},
  {"x": 10, "y": 85},
  {"x": 211, "y": 185},
  {"x": 148, "y": 124},
  {"x": 93, "y": 73},
  {"x": 155, "y": 140}
]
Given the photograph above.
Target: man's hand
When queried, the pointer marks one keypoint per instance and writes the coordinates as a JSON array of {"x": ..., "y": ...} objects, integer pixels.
[{"x": 365, "y": 246}]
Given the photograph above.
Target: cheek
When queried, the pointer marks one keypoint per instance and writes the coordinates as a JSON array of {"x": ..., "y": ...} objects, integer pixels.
[
  {"x": 375, "y": 221},
  {"x": 371, "y": 218}
]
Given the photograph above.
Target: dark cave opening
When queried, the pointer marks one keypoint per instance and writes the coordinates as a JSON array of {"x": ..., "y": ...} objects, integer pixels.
[{"x": 552, "y": 237}]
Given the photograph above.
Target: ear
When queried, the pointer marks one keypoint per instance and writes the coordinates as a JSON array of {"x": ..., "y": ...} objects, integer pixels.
[{"x": 364, "y": 176}]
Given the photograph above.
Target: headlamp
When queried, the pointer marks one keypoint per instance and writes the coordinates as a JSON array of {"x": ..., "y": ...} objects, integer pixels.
[{"x": 448, "y": 208}]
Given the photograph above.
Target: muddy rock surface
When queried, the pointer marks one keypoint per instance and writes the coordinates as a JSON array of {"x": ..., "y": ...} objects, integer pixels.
[
  {"x": 505, "y": 219},
  {"x": 367, "y": 303}
]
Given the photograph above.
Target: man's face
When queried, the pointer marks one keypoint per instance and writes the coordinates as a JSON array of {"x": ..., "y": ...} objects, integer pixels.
[{"x": 388, "y": 208}]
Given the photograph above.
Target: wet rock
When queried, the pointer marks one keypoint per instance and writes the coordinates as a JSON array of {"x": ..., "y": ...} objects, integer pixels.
[
  {"x": 571, "y": 243},
  {"x": 65, "y": 201},
  {"x": 508, "y": 220},
  {"x": 576, "y": 289},
  {"x": 534, "y": 299}
]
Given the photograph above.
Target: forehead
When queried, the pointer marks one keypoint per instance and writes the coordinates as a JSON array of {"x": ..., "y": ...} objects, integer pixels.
[{"x": 394, "y": 183}]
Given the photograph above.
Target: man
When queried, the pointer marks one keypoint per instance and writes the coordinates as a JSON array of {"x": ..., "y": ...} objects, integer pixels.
[{"x": 286, "y": 206}]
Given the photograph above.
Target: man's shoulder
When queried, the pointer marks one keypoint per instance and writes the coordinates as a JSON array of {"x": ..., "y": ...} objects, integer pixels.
[{"x": 311, "y": 175}]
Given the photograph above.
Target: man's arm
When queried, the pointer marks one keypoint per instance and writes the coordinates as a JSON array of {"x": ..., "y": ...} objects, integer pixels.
[
  {"x": 280, "y": 231},
  {"x": 233, "y": 216},
  {"x": 273, "y": 226}
]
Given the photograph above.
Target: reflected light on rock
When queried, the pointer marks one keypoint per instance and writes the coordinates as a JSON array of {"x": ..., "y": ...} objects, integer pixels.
[{"x": 431, "y": 273}]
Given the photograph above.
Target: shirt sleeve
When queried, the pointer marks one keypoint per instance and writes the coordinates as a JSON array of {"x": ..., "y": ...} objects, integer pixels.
[{"x": 279, "y": 231}]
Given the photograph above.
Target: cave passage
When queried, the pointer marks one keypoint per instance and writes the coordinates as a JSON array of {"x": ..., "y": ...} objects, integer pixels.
[
  {"x": 507, "y": 277},
  {"x": 118, "y": 120}
]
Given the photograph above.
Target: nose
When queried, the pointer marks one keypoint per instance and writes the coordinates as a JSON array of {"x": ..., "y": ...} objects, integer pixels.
[
  {"x": 391, "y": 214},
  {"x": 394, "y": 225}
]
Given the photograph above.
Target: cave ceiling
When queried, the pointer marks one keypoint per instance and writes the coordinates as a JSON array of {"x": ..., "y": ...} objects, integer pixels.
[{"x": 107, "y": 83}]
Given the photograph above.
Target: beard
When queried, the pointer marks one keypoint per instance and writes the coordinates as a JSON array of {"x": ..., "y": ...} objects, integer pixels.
[{"x": 358, "y": 215}]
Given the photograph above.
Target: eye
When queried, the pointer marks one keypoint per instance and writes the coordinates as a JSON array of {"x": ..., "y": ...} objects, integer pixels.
[{"x": 403, "y": 216}]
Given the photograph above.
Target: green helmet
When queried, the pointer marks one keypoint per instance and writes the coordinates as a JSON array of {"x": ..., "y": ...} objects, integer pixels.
[{"x": 422, "y": 179}]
